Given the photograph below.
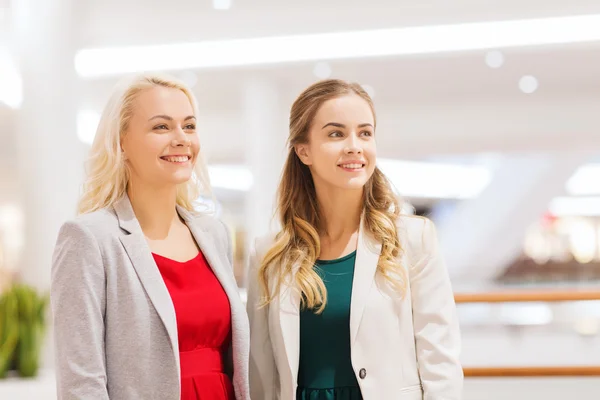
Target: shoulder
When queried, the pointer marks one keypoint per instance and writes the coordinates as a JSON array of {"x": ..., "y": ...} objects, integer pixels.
[
  {"x": 263, "y": 243},
  {"x": 259, "y": 248},
  {"x": 417, "y": 234},
  {"x": 98, "y": 225},
  {"x": 83, "y": 240}
]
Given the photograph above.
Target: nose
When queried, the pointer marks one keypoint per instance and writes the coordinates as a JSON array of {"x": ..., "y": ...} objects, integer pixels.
[
  {"x": 353, "y": 145},
  {"x": 180, "y": 139}
]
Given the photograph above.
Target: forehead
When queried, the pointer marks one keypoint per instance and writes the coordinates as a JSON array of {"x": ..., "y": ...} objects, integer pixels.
[
  {"x": 348, "y": 110},
  {"x": 163, "y": 101}
]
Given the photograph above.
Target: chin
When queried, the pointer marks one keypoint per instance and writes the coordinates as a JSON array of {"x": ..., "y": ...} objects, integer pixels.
[
  {"x": 353, "y": 185},
  {"x": 180, "y": 178}
]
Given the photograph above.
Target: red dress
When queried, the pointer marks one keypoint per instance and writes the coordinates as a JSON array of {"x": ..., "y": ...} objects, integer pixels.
[{"x": 203, "y": 325}]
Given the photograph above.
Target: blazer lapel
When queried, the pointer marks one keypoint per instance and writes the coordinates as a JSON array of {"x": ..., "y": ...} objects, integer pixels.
[
  {"x": 139, "y": 253},
  {"x": 289, "y": 321},
  {"x": 206, "y": 243},
  {"x": 219, "y": 264},
  {"x": 367, "y": 257}
]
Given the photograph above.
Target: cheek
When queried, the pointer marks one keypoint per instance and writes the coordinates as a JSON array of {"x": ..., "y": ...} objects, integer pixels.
[
  {"x": 324, "y": 156},
  {"x": 147, "y": 150},
  {"x": 371, "y": 147},
  {"x": 135, "y": 150},
  {"x": 371, "y": 152},
  {"x": 154, "y": 148},
  {"x": 195, "y": 141},
  {"x": 329, "y": 152}
]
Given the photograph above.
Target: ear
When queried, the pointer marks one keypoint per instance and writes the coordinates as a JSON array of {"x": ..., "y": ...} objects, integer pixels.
[
  {"x": 122, "y": 149},
  {"x": 303, "y": 153}
]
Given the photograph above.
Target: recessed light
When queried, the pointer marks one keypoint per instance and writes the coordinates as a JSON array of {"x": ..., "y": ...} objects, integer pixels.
[
  {"x": 221, "y": 4},
  {"x": 528, "y": 84},
  {"x": 494, "y": 59},
  {"x": 322, "y": 70}
]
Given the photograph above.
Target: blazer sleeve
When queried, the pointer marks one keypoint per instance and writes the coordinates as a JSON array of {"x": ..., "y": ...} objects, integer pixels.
[
  {"x": 264, "y": 378},
  {"x": 436, "y": 328},
  {"x": 78, "y": 300}
]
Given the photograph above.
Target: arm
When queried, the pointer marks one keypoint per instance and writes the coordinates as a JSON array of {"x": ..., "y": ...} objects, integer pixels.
[
  {"x": 264, "y": 378},
  {"x": 436, "y": 327},
  {"x": 78, "y": 298}
]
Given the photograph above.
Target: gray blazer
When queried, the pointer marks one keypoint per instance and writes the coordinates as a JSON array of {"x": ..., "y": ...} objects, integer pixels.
[{"x": 114, "y": 321}]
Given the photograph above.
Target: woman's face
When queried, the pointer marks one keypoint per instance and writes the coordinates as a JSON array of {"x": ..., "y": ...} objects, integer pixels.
[
  {"x": 341, "y": 150},
  {"x": 161, "y": 144}
]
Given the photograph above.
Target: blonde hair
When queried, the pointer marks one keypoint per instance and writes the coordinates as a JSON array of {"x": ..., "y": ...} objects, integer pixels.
[
  {"x": 107, "y": 174},
  {"x": 298, "y": 241}
]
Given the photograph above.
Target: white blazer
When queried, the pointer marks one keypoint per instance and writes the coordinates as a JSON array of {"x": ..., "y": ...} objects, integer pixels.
[{"x": 402, "y": 348}]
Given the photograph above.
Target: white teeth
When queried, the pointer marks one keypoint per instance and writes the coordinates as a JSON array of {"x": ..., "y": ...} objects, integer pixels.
[
  {"x": 177, "y": 158},
  {"x": 351, "y": 166}
]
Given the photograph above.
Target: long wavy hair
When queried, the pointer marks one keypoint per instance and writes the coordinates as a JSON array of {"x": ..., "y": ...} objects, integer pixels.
[
  {"x": 107, "y": 172},
  {"x": 297, "y": 244}
]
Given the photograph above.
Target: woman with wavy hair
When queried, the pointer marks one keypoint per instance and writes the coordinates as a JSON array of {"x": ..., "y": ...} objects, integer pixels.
[
  {"x": 350, "y": 299},
  {"x": 144, "y": 300}
]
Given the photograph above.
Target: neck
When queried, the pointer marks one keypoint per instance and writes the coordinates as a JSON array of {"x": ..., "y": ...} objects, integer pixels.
[
  {"x": 155, "y": 208},
  {"x": 340, "y": 210}
]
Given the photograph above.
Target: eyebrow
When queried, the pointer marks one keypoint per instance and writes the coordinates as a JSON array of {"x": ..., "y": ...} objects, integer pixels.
[
  {"x": 338, "y": 125},
  {"x": 170, "y": 118}
]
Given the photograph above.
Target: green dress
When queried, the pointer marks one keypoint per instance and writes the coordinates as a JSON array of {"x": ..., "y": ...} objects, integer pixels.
[{"x": 325, "y": 369}]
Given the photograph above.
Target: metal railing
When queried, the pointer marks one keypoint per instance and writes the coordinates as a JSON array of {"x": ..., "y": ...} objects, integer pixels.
[{"x": 530, "y": 296}]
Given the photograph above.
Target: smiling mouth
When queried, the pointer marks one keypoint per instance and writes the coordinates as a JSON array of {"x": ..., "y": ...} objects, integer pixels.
[
  {"x": 176, "y": 159},
  {"x": 352, "y": 166}
]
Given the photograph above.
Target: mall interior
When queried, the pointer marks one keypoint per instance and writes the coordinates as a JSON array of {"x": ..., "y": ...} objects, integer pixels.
[{"x": 488, "y": 123}]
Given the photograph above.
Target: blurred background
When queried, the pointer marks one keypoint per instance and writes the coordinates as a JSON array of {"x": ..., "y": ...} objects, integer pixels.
[{"x": 488, "y": 123}]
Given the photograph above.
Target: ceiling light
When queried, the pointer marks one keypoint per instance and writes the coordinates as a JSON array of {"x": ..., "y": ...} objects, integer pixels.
[
  {"x": 232, "y": 177},
  {"x": 494, "y": 59},
  {"x": 221, "y": 4},
  {"x": 411, "y": 178},
  {"x": 434, "y": 180},
  {"x": 11, "y": 89},
  {"x": 575, "y": 206},
  {"x": 528, "y": 84},
  {"x": 585, "y": 181},
  {"x": 95, "y": 62},
  {"x": 322, "y": 70}
]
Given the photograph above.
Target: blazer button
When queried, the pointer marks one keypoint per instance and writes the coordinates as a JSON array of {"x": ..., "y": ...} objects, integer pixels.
[{"x": 362, "y": 373}]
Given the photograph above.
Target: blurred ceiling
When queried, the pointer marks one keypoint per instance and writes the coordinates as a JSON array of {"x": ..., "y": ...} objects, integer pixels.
[{"x": 428, "y": 105}]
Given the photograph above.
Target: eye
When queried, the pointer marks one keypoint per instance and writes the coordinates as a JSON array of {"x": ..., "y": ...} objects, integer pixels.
[
  {"x": 367, "y": 133},
  {"x": 190, "y": 127},
  {"x": 161, "y": 127},
  {"x": 336, "y": 134}
]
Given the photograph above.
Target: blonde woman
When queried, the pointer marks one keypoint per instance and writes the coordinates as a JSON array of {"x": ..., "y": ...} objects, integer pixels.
[
  {"x": 144, "y": 299},
  {"x": 351, "y": 299}
]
